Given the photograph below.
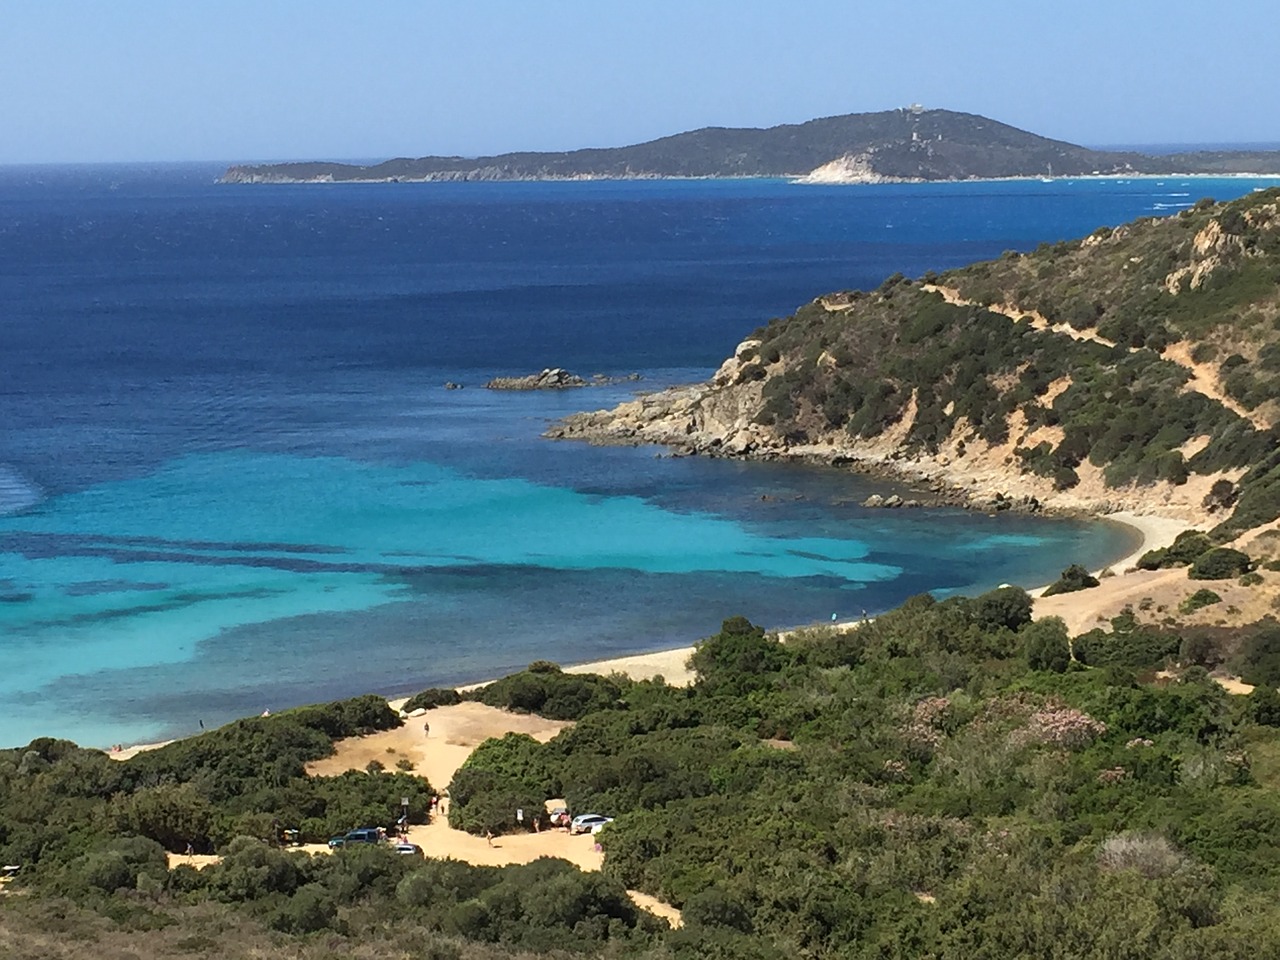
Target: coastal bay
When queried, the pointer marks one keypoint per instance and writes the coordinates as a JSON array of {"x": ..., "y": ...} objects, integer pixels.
[{"x": 212, "y": 516}]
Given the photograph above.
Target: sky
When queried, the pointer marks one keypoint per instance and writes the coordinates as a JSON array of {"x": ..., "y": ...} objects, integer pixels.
[{"x": 230, "y": 80}]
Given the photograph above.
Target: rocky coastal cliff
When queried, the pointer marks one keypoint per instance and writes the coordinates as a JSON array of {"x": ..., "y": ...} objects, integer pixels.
[
  {"x": 1137, "y": 369},
  {"x": 719, "y": 419}
]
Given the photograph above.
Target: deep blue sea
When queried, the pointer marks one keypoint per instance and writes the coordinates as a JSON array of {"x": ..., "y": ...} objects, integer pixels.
[{"x": 231, "y": 478}]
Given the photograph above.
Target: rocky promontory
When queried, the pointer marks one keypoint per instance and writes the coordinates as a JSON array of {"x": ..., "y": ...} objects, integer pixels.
[
  {"x": 718, "y": 419},
  {"x": 1003, "y": 387}
]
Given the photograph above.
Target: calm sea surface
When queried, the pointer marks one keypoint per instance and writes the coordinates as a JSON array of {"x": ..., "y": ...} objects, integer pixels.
[{"x": 231, "y": 478}]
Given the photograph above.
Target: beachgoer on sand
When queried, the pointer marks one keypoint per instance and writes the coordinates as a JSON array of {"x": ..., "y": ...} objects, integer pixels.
[
  {"x": 488, "y": 835},
  {"x": 426, "y": 729}
]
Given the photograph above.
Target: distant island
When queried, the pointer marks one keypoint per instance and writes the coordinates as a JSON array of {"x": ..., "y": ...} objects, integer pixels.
[{"x": 903, "y": 145}]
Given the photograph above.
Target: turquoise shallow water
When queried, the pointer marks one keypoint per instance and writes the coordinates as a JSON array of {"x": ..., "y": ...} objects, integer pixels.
[
  {"x": 231, "y": 478},
  {"x": 256, "y": 571}
]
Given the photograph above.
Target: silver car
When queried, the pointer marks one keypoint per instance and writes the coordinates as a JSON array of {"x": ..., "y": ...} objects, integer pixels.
[{"x": 588, "y": 823}]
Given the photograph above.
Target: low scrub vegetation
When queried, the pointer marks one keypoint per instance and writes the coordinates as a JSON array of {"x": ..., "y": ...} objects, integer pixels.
[
  {"x": 974, "y": 370},
  {"x": 951, "y": 779}
]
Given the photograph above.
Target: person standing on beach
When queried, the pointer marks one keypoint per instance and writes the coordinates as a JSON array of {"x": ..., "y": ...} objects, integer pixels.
[{"x": 426, "y": 729}]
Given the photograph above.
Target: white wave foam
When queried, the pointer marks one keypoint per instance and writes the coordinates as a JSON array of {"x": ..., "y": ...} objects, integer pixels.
[{"x": 16, "y": 492}]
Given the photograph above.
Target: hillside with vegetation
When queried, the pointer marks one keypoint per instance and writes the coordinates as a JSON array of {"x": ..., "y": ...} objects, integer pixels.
[
  {"x": 951, "y": 780},
  {"x": 906, "y": 144},
  {"x": 1137, "y": 368}
]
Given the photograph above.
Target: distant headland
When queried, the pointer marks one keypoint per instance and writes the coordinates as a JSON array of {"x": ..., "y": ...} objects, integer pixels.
[{"x": 891, "y": 146}]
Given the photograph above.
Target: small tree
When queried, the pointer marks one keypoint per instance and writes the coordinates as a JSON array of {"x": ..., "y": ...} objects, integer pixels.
[
  {"x": 1264, "y": 706},
  {"x": 1046, "y": 645},
  {"x": 1004, "y": 607},
  {"x": 739, "y": 659},
  {"x": 1259, "y": 661}
]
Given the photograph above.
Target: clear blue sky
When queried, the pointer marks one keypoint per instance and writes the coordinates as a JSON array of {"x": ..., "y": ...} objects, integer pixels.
[{"x": 108, "y": 80}]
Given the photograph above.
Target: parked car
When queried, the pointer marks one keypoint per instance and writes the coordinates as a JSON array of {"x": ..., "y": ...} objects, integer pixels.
[
  {"x": 362, "y": 835},
  {"x": 588, "y": 823},
  {"x": 407, "y": 849}
]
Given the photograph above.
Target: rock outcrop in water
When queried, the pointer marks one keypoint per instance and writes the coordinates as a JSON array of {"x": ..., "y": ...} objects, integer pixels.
[
  {"x": 552, "y": 378},
  {"x": 555, "y": 378}
]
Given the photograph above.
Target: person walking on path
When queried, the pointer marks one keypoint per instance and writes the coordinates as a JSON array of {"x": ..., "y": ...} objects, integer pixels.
[
  {"x": 426, "y": 729},
  {"x": 488, "y": 836}
]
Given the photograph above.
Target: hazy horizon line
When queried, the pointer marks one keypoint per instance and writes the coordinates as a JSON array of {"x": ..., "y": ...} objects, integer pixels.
[{"x": 1151, "y": 149}]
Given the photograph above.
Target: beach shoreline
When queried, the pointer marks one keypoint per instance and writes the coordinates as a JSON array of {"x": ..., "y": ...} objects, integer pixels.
[{"x": 1154, "y": 531}]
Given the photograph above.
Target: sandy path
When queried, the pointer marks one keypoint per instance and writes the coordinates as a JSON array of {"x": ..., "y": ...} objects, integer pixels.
[
  {"x": 1160, "y": 592},
  {"x": 1037, "y": 320},
  {"x": 1204, "y": 380},
  {"x": 1203, "y": 376},
  {"x": 454, "y": 733}
]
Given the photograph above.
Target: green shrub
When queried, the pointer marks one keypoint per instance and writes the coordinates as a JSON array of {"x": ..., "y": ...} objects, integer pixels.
[
  {"x": 1220, "y": 563},
  {"x": 1074, "y": 578},
  {"x": 431, "y": 698},
  {"x": 481, "y": 800},
  {"x": 1008, "y": 607},
  {"x": 518, "y": 756},
  {"x": 311, "y": 908},
  {"x": 1184, "y": 550},
  {"x": 1201, "y": 598},
  {"x": 737, "y": 660},
  {"x": 114, "y": 865},
  {"x": 547, "y": 691},
  {"x": 1142, "y": 648}
]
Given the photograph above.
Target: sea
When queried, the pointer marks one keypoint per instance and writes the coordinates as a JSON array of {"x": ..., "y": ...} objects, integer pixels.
[{"x": 232, "y": 478}]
